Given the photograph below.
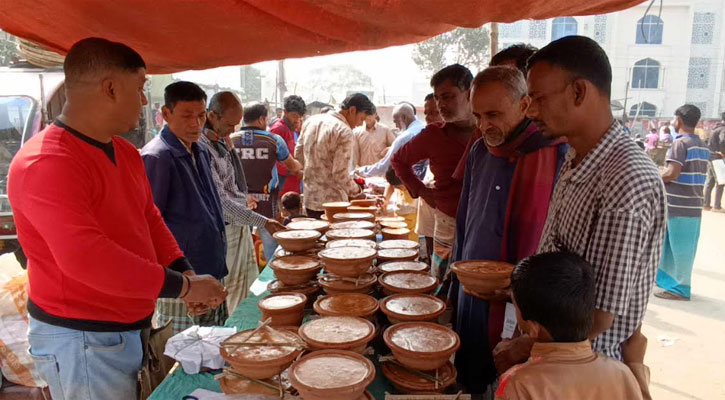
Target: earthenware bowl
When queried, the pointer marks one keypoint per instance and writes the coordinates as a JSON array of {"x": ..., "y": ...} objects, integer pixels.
[
  {"x": 484, "y": 277},
  {"x": 340, "y": 332},
  {"x": 408, "y": 307},
  {"x": 386, "y": 255},
  {"x": 295, "y": 270},
  {"x": 332, "y": 375},
  {"x": 335, "y": 208},
  {"x": 285, "y": 308},
  {"x": 297, "y": 241},
  {"x": 347, "y": 304},
  {"x": 422, "y": 346},
  {"x": 332, "y": 284},
  {"x": 261, "y": 361},
  {"x": 407, "y": 282},
  {"x": 347, "y": 261}
]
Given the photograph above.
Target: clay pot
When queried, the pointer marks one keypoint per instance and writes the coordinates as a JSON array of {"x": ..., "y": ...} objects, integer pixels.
[
  {"x": 399, "y": 244},
  {"x": 309, "y": 289},
  {"x": 407, "y": 382},
  {"x": 335, "y": 208},
  {"x": 393, "y": 224},
  {"x": 366, "y": 209},
  {"x": 394, "y": 218},
  {"x": 262, "y": 362},
  {"x": 407, "y": 282},
  {"x": 353, "y": 216},
  {"x": 408, "y": 307},
  {"x": 352, "y": 243},
  {"x": 395, "y": 233},
  {"x": 397, "y": 255},
  {"x": 363, "y": 202},
  {"x": 423, "y": 346},
  {"x": 234, "y": 385},
  {"x": 332, "y": 375},
  {"x": 347, "y": 261},
  {"x": 353, "y": 225},
  {"x": 340, "y": 234},
  {"x": 309, "y": 225},
  {"x": 341, "y": 333},
  {"x": 347, "y": 304},
  {"x": 484, "y": 277},
  {"x": 285, "y": 309},
  {"x": 297, "y": 241},
  {"x": 295, "y": 270},
  {"x": 390, "y": 266},
  {"x": 364, "y": 284}
]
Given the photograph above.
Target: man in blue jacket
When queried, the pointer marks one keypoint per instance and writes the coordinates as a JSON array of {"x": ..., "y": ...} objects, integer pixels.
[{"x": 179, "y": 171}]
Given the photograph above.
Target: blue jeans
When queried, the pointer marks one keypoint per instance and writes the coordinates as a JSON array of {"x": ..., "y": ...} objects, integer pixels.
[
  {"x": 83, "y": 365},
  {"x": 268, "y": 242}
]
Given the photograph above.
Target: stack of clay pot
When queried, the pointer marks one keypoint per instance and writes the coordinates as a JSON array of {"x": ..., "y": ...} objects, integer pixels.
[
  {"x": 296, "y": 265},
  {"x": 259, "y": 354},
  {"x": 422, "y": 352},
  {"x": 348, "y": 268}
]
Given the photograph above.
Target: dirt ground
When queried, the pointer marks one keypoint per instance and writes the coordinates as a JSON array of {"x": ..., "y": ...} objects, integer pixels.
[{"x": 686, "y": 346}]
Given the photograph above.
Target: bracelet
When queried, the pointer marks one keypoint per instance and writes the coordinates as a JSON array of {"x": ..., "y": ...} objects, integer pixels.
[{"x": 188, "y": 286}]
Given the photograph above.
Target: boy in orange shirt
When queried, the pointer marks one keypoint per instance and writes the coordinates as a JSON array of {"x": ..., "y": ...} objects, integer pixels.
[{"x": 554, "y": 298}]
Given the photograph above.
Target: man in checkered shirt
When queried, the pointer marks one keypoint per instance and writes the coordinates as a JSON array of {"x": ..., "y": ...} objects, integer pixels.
[{"x": 609, "y": 203}]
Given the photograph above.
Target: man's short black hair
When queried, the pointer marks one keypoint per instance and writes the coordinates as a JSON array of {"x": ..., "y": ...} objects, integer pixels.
[
  {"x": 295, "y": 103},
  {"x": 429, "y": 96},
  {"x": 557, "y": 291},
  {"x": 580, "y": 56},
  {"x": 360, "y": 102},
  {"x": 519, "y": 52},
  {"x": 689, "y": 114},
  {"x": 460, "y": 76},
  {"x": 91, "y": 57},
  {"x": 291, "y": 201},
  {"x": 255, "y": 111},
  {"x": 392, "y": 178},
  {"x": 182, "y": 91}
]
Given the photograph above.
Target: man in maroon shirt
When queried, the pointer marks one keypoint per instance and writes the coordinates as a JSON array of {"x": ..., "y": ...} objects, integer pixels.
[
  {"x": 287, "y": 128},
  {"x": 443, "y": 145},
  {"x": 99, "y": 253}
]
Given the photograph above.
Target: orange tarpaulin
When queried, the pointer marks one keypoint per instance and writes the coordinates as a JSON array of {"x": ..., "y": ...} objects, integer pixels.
[{"x": 174, "y": 35}]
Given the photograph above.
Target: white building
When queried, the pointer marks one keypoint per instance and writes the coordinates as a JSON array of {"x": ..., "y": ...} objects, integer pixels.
[{"x": 659, "y": 61}]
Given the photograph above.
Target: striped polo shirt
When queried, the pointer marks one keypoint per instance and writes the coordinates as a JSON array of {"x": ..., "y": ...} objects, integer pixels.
[{"x": 684, "y": 194}]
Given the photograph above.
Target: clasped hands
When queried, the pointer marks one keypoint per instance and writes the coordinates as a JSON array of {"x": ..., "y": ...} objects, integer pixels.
[{"x": 204, "y": 293}]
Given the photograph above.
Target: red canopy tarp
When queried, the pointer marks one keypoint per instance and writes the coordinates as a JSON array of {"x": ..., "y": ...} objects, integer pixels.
[{"x": 175, "y": 35}]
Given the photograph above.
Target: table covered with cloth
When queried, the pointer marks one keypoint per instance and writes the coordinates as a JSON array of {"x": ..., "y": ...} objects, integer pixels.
[{"x": 245, "y": 316}]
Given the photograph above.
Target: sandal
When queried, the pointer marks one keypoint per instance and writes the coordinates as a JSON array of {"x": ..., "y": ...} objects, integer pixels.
[{"x": 670, "y": 296}]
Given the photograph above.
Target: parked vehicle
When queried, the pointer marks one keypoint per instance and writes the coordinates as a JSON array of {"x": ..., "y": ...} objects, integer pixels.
[{"x": 30, "y": 99}]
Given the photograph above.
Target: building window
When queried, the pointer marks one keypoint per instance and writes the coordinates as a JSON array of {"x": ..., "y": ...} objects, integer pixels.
[
  {"x": 698, "y": 73},
  {"x": 649, "y": 30},
  {"x": 646, "y": 74},
  {"x": 512, "y": 31},
  {"x": 563, "y": 26},
  {"x": 702, "y": 28},
  {"x": 645, "y": 110},
  {"x": 537, "y": 29},
  {"x": 600, "y": 28}
]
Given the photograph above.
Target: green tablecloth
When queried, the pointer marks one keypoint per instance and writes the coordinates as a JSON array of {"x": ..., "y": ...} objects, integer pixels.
[{"x": 246, "y": 316}]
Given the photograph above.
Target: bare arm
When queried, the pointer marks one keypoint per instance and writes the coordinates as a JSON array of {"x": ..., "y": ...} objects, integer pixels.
[
  {"x": 672, "y": 171},
  {"x": 602, "y": 322}
]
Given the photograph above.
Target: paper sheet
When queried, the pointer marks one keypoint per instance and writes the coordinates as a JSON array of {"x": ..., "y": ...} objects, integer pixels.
[
  {"x": 509, "y": 323},
  {"x": 258, "y": 287}
]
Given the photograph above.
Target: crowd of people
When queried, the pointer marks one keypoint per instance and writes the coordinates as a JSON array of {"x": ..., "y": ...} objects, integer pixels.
[{"x": 522, "y": 163}]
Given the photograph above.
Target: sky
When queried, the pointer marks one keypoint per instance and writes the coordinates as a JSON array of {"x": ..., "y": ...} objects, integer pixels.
[{"x": 392, "y": 70}]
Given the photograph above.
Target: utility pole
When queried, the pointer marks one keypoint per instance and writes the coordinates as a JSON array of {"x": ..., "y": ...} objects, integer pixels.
[
  {"x": 494, "y": 38},
  {"x": 281, "y": 82}
]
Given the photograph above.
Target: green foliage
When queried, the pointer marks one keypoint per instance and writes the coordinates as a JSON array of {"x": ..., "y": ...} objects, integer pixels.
[{"x": 468, "y": 47}]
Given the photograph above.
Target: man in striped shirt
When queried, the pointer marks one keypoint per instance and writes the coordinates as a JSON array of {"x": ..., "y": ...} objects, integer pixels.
[{"x": 687, "y": 163}]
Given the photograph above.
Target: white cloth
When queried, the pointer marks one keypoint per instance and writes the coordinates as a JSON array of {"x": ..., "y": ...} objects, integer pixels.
[{"x": 198, "y": 347}]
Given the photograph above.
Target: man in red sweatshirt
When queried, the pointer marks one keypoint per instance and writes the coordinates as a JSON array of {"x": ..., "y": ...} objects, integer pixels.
[
  {"x": 99, "y": 253},
  {"x": 443, "y": 145}
]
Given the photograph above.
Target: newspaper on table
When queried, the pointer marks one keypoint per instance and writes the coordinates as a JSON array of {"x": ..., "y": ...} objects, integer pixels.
[{"x": 198, "y": 347}]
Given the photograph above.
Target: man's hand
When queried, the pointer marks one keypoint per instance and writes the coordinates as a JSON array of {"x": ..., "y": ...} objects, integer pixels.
[
  {"x": 204, "y": 289},
  {"x": 634, "y": 348},
  {"x": 300, "y": 174},
  {"x": 427, "y": 195},
  {"x": 251, "y": 202},
  {"x": 508, "y": 353},
  {"x": 273, "y": 226}
]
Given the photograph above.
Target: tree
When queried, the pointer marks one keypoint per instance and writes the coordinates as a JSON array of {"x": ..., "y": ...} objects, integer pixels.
[
  {"x": 251, "y": 80},
  {"x": 8, "y": 48},
  {"x": 468, "y": 47},
  {"x": 337, "y": 81}
]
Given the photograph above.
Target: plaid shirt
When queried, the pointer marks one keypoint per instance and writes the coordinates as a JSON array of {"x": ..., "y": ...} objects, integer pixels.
[
  {"x": 610, "y": 209},
  {"x": 234, "y": 201}
]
